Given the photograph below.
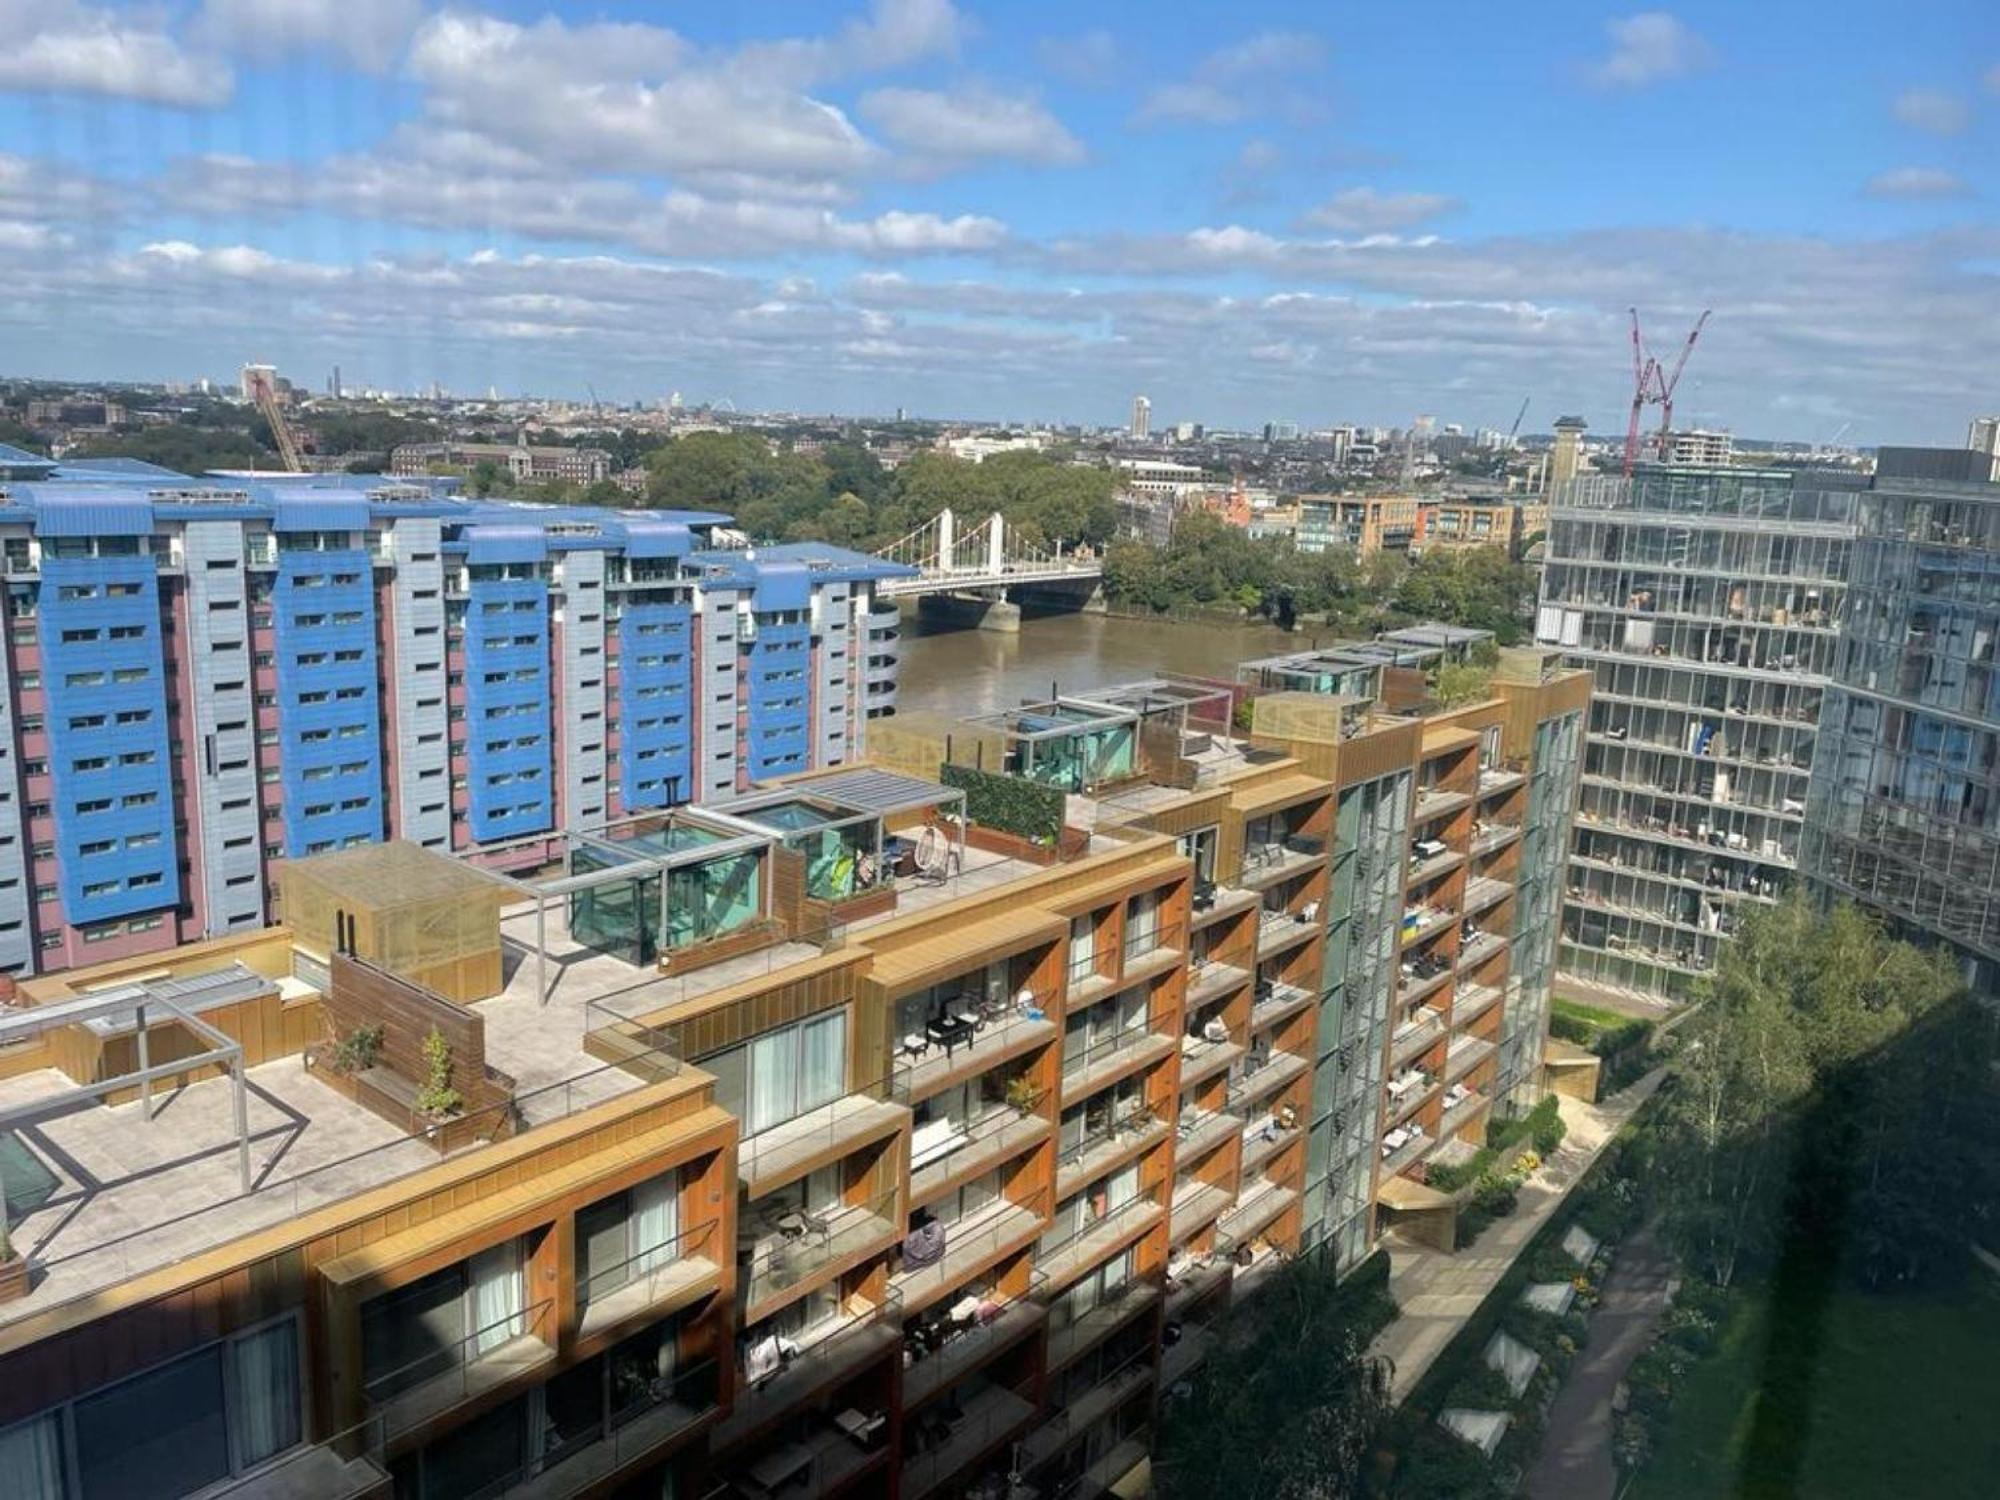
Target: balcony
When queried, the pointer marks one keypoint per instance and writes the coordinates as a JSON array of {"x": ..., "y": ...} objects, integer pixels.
[
  {"x": 664, "y": 1410},
  {"x": 1418, "y": 978},
  {"x": 971, "y": 1244},
  {"x": 929, "y": 1064},
  {"x": 1201, "y": 1131},
  {"x": 484, "y": 1360},
  {"x": 1082, "y": 1334},
  {"x": 1402, "y": 1146},
  {"x": 1459, "y": 1111},
  {"x": 810, "y": 1247},
  {"x": 1415, "y": 1034},
  {"x": 1197, "y": 1277},
  {"x": 1420, "y": 922},
  {"x": 969, "y": 1342},
  {"x": 774, "y": 1157},
  {"x": 1258, "y": 1206},
  {"x": 986, "y": 1419},
  {"x": 1494, "y": 781},
  {"x": 1223, "y": 902},
  {"x": 655, "y": 1282},
  {"x": 1277, "y": 1001},
  {"x": 1112, "y": 1059},
  {"x": 1262, "y": 1141},
  {"x": 1212, "y": 979},
  {"x": 1279, "y": 931},
  {"x": 1267, "y": 864},
  {"x": 1179, "y": 1359},
  {"x": 1202, "y": 1057},
  {"x": 1474, "y": 951},
  {"x": 1150, "y": 953},
  {"x": 1196, "y": 1205},
  {"x": 1483, "y": 891},
  {"x": 1089, "y": 1407},
  {"x": 1465, "y": 1054},
  {"x": 1471, "y": 1002},
  {"x": 808, "y": 1367},
  {"x": 1425, "y": 867},
  {"x": 1135, "y": 1132},
  {"x": 1097, "y": 1240},
  {"x": 947, "y": 1153},
  {"x": 1250, "y": 1088},
  {"x": 347, "y": 1466},
  {"x": 1486, "y": 837},
  {"x": 1433, "y": 802},
  {"x": 1408, "y": 1094}
]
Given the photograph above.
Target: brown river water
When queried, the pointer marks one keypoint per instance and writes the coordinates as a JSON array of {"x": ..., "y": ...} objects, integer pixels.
[{"x": 954, "y": 670}]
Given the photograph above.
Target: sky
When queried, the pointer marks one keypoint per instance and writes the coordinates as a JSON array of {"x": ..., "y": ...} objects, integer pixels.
[{"x": 1266, "y": 211}]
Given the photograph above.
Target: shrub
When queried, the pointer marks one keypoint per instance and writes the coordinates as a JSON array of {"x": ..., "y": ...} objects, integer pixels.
[
  {"x": 357, "y": 1051},
  {"x": 437, "y": 1096},
  {"x": 1010, "y": 804}
]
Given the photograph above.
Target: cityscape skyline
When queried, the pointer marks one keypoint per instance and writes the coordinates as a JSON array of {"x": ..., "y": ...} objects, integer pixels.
[{"x": 959, "y": 209}]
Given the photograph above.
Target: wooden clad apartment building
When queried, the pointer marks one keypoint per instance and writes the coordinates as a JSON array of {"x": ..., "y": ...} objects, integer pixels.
[{"x": 855, "y": 1138}]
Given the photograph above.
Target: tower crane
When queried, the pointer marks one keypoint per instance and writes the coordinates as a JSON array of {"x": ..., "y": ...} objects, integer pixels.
[
  {"x": 1515, "y": 431},
  {"x": 1653, "y": 385},
  {"x": 261, "y": 383}
]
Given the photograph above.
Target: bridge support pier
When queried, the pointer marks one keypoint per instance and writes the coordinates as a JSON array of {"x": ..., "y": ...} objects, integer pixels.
[{"x": 983, "y": 611}]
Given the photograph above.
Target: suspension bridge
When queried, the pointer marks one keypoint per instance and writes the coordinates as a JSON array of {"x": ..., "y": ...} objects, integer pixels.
[{"x": 989, "y": 558}]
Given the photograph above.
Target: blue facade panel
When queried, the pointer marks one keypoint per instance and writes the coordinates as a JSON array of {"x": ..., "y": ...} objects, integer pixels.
[
  {"x": 509, "y": 758},
  {"x": 779, "y": 701},
  {"x": 655, "y": 705},
  {"x": 330, "y": 711},
  {"x": 110, "y": 747}
]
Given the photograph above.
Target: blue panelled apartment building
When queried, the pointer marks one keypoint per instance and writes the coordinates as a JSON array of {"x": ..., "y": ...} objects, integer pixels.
[{"x": 206, "y": 677}]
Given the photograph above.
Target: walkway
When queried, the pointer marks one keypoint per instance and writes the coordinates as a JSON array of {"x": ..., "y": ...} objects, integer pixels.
[
  {"x": 1435, "y": 1293},
  {"x": 1575, "y": 1461}
]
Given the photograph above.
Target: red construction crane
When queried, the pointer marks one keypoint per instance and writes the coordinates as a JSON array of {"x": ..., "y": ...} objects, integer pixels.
[{"x": 1653, "y": 384}]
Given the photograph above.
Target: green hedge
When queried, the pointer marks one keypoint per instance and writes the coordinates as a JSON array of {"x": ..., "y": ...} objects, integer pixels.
[{"x": 1010, "y": 804}]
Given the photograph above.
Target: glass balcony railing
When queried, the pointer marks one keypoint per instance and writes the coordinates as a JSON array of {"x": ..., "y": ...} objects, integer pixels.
[
  {"x": 441, "y": 1378},
  {"x": 346, "y": 1466},
  {"x": 640, "y": 1419},
  {"x": 951, "y": 1342},
  {"x": 792, "y": 1245},
  {"x": 610, "y": 1293}
]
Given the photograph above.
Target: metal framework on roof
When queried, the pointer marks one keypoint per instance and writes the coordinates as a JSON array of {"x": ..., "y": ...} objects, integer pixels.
[
  {"x": 732, "y": 836},
  {"x": 1085, "y": 714},
  {"x": 863, "y": 788},
  {"x": 144, "y": 1003}
]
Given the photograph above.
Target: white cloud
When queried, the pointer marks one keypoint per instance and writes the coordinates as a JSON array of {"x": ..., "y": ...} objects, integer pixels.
[
  {"x": 371, "y": 34},
  {"x": 894, "y": 34},
  {"x": 1239, "y": 81},
  {"x": 1091, "y": 57},
  {"x": 1916, "y": 182},
  {"x": 1365, "y": 210},
  {"x": 623, "y": 95},
  {"x": 976, "y": 124},
  {"x": 1933, "y": 110},
  {"x": 66, "y": 47},
  {"x": 408, "y": 190},
  {"x": 1649, "y": 47}
]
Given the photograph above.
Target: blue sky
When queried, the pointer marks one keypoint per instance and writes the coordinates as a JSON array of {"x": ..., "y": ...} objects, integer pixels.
[{"x": 1261, "y": 211}]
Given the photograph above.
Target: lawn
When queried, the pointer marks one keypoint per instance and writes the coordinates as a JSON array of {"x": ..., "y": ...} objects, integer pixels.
[
  {"x": 1898, "y": 1399},
  {"x": 1587, "y": 1015}
]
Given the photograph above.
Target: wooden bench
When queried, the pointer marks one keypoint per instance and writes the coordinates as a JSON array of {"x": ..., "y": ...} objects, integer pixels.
[{"x": 361, "y": 995}]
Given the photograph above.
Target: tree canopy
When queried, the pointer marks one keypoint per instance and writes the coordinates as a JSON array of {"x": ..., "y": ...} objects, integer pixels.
[
  {"x": 1831, "y": 1071},
  {"x": 842, "y": 493}
]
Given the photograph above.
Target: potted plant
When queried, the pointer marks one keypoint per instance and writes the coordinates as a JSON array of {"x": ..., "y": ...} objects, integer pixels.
[
  {"x": 437, "y": 1098},
  {"x": 1023, "y": 1095}
]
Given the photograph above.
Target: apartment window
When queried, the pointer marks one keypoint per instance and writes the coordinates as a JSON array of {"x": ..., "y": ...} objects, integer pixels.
[
  {"x": 450, "y": 1318},
  {"x": 782, "y": 1074},
  {"x": 1199, "y": 846},
  {"x": 623, "y": 1239},
  {"x": 1082, "y": 947},
  {"x": 1142, "y": 924},
  {"x": 170, "y": 1430},
  {"x": 1096, "y": 1031}
]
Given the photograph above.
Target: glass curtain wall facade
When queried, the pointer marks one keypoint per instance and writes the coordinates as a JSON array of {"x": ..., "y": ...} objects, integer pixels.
[
  {"x": 1707, "y": 605},
  {"x": 1371, "y": 830},
  {"x": 1537, "y": 908},
  {"x": 1906, "y": 788}
]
